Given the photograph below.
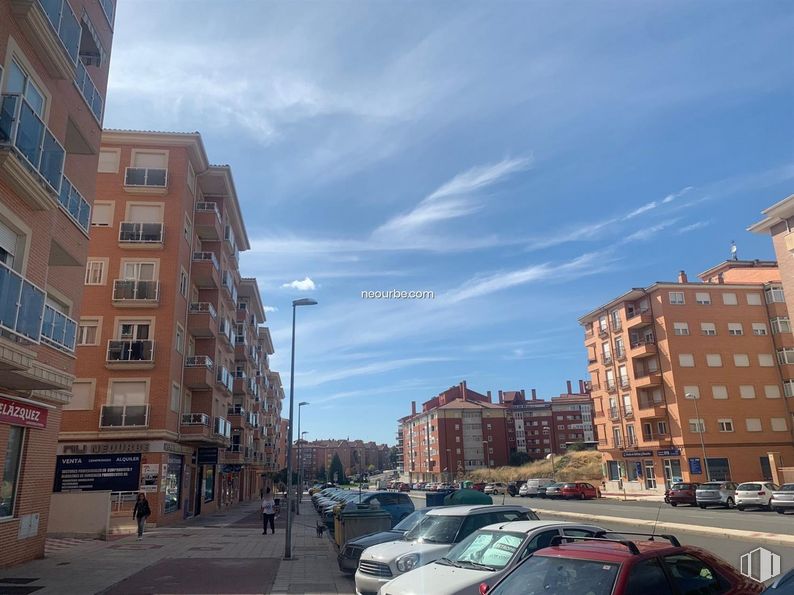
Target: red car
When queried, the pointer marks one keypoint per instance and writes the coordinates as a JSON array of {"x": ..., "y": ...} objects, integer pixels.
[
  {"x": 404, "y": 487},
  {"x": 580, "y": 491},
  {"x": 480, "y": 487},
  {"x": 601, "y": 566},
  {"x": 682, "y": 493}
]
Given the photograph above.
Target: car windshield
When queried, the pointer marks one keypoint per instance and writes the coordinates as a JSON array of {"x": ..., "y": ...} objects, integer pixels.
[
  {"x": 410, "y": 521},
  {"x": 682, "y": 486},
  {"x": 493, "y": 549},
  {"x": 786, "y": 487},
  {"x": 436, "y": 528},
  {"x": 750, "y": 487},
  {"x": 711, "y": 486},
  {"x": 561, "y": 576}
]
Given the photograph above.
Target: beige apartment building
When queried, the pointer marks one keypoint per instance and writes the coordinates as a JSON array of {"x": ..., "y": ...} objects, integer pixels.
[
  {"x": 173, "y": 395},
  {"x": 54, "y": 60},
  {"x": 682, "y": 368}
]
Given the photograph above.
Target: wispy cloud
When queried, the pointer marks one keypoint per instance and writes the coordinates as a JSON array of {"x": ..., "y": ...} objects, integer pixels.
[
  {"x": 646, "y": 233},
  {"x": 643, "y": 209},
  {"x": 305, "y": 285},
  {"x": 314, "y": 378},
  {"x": 671, "y": 197},
  {"x": 693, "y": 226}
]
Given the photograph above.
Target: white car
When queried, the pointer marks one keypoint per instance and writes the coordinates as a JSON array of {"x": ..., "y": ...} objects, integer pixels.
[
  {"x": 533, "y": 485},
  {"x": 483, "y": 556},
  {"x": 756, "y": 494},
  {"x": 783, "y": 498},
  {"x": 428, "y": 541},
  {"x": 495, "y": 488}
]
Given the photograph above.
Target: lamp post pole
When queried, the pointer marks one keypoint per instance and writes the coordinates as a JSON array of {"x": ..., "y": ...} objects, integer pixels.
[
  {"x": 700, "y": 427},
  {"x": 288, "y": 532},
  {"x": 300, "y": 458}
]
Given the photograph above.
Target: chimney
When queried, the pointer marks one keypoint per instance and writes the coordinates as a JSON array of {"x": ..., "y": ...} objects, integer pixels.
[
  {"x": 721, "y": 279},
  {"x": 501, "y": 397},
  {"x": 534, "y": 395},
  {"x": 682, "y": 277},
  {"x": 413, "y": 407},
  {"x": 568, "y": 384},
  {"x": 523, "y": 395},
  {"x": 581, "y": 387}
]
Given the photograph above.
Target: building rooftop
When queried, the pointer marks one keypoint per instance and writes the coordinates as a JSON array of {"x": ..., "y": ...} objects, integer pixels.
[{"x": 777, "y": 213}]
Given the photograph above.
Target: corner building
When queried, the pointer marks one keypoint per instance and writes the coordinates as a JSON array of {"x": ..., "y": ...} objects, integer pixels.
[
  {"x": 54, "y": 60},
  {"x": 727, "y": 342},
  {"x": 173, "y": 391}
]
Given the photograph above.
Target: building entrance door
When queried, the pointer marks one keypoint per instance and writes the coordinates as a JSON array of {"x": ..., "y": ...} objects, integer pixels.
[
  {"x": 672, "y": 472},
  {"x": 199, "y": 487},
  {"x": 650, "y": 475}
]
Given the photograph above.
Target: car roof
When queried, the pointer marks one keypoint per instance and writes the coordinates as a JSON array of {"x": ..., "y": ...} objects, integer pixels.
[
  {"x": 527, "y": 526},
  {"x": 607, "y": 551},
  {"x": 473, "y": 509}
]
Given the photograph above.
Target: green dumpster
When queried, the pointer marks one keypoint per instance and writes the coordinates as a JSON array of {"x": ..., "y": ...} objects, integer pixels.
[
  {"x": 468, "y": 497},
  {"x": 355, "y": 520}
]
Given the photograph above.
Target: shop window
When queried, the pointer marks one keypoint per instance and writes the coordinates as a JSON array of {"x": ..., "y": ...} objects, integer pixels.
[
  {"x": 209, "y": 484},
  {"x": 11, "y": 465},
  {"x": 173, "y": 484}
]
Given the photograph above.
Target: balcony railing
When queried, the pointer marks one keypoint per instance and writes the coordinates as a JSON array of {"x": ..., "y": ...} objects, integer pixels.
[
  {"x": 58, "y": 329},
  {"x": 25, "y": 132},
  {"x": 130, "y": 351},
  {"x": 65, "y": 24},
  {"x": 22, "y": 305},
  {"x": 136, "y": 290},
  {"x": 603, "y": 332},
  {"x": 628, "y": 412},
  {"x": 124, "y": 416},
  {"x": 88, "y": 90},
  {"x": 607, "y": 360},
  {"x": 73, "y": 204},
  {"x": 237, "y": 410},
  {"x": 225, "y": 379},
  {"x": 624, "y": 382},
  {"x": 203, "y": 308},
  {"x": 208, "y": 207},
  {"x": 614, "y": 413},
  {"x": 207, "y": 257},
  {"x": 620, "y": 355},
  {"x": 222, "y": 427},
  {"x": 228, "y": 283},
  {"x": 140, "y": 233},
  {"x": 611, "y": 386},
  {"x": 150, "y": 177},
  {"x": 226, "y": 330},
  {"x": 199, "y": 361},
  {"x": 649, "y": 340},
  {"x": 195, "y": 419}
]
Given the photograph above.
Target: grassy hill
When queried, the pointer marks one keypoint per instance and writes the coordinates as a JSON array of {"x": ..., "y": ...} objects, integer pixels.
[{"x": 577, "y": 466}]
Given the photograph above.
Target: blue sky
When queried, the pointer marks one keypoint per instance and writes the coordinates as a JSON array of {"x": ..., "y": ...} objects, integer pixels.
[{"x": 526, "y": 161}]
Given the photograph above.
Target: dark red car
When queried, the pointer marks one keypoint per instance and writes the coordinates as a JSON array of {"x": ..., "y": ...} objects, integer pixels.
[
  {"x": 580, "y": 491},
  {"x": 682, "y": 493},
  {"x": 599, "y": 565},
  {"x": 480, "y": 486},
  {"x": 404, "y": 487}
]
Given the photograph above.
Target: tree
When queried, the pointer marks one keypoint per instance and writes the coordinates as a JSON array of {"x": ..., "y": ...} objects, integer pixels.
[
  {"x": 336, "y": 469},
  {"x": 519, "y": 458},
  {"x": 393, "y": 453},
  {"x": 576, "y": 447}
]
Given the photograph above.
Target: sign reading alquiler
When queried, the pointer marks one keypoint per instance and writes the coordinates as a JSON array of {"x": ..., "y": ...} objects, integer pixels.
[
  {"x": 22, "y": 414},
  {"x": 116, "y": 473}
]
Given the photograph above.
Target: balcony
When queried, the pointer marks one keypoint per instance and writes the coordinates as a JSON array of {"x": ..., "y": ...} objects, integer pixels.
[
  {"x": 130, "y": 355},
  {"x": 648, "y": 380},
  {"x": 603, "y": 332},
  {"x": 614, "y": 413},
  {"x": 140, "y": 235},
  {"x": 607, "y": 359},
  {"x": 628, "y": 412},
  {"x": 31, "y": 158},
  {"x": 222, "y": 428},
  {"x": 639, "y": 319},
  {"x": 91, "y": 95},
  {"x": 202, "y": 320},
  {"x": 234, "y": 455},
  {"x": 652, "y": 410},
  {"x": 224, "y": 379},
  {"x": 617, "y": 326},
  {"x": 197, "y": 428},
  {"x": 135, "y": 293},
  {"x": 611, "y": 386},
  {"x": 226, "y": 331},
  {"x": 195, "y": 419},
  {"x": 624, "y": 382},
  {"x": 146, "y": 180},
  {"x": 74, "y": 205},
  {"x": 206, "y": 270},
  {"x": 58, "y": 330},
  {"x": 54, "y": 31},
  {"x": 124, "y": 416},
  {"x": 22, "y": 305},
  {"x": 620, "y": 355},
  {"x": 229, "y": 286},
  {"x": 643, "y": 348},
  {"x": 199, "y": 372},
  {"x": 207, "y": 221}
]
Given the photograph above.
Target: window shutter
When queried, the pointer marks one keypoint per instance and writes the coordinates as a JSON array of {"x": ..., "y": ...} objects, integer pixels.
[
  {"x": 145, "y": 214},
  {"x": 108, "y": 162},
  {"x": 8, "y": 239},
  {"x": 150, "y": 160}
]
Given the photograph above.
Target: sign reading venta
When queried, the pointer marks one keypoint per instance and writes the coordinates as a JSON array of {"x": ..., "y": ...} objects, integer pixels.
[{"x": 22, "y": 414}]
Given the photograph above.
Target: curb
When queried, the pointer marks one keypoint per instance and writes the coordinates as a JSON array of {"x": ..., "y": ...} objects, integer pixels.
[{"x": 738, "y": 534}]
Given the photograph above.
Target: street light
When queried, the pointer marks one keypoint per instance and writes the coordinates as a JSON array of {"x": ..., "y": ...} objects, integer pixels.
[
  {"x": 547, "y": 432},
  {"x": 300, "y": 458},
  {"x": 700, "y": 427},
  {"x": 288, "y": 533}
]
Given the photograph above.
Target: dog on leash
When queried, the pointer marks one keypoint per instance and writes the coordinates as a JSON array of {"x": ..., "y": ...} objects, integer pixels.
[{"x": 320, "y": 529}]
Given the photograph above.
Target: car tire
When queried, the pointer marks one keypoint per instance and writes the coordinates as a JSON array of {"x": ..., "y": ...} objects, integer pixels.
[
  {"x": 673, "y": 503},
  {"x": 740, "y": 508},
  {"x": 702, "y": 506},
  {"x": 730, "y": 503}
]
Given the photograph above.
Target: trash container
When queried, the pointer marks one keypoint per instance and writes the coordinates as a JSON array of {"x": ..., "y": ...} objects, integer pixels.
[
  {"x": 436, "y": 498},
  {"x": 355, "y": 521},
  {"x": 466, "y": 496}
]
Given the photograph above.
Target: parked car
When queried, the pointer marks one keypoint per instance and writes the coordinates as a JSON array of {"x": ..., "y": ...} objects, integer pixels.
[
  {"x": 428, "y": 541},
  {"x": 554, "y": 490},
  {"x": 580, "y": 491},
  {"x": 514, "y": 486},
  {"x": 604, "y": 566},
  {"x": 479, "y": 486},
  {"x": 485, "y": 555},
  {"x": 682, "y": 493},
  {"x": 783, "y": 498},
  {"x": 716, "y": 493},
  {"x": 754, "y": 494},
  {"x": 532, "y": 486},
  {"x": 496, "y": 488},
  {"x": 404, "y": 487},
  {"x": 783, "y": 585},
  {"x": 350, "y": 553}
]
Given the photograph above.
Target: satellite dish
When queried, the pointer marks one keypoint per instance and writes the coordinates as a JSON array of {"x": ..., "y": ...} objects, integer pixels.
[{"x": 548, "y": 456}]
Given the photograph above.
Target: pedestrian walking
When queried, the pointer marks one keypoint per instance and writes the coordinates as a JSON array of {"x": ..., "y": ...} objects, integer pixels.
[
  {"x": 268, "y": 512},
  {"x": 141, "y": 512}
]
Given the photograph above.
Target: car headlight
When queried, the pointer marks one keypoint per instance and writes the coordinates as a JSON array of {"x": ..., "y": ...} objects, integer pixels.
[{"x": 407, "y": 562}]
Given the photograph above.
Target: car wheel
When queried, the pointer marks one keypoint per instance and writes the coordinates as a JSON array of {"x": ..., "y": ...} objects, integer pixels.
[
  {"x": 780, "y": 510},
  {"x": 703, "y": 506},
  {"x": 740, "y": 508},
  {"x": 673, "y": 503},
  {"x": 731, "y": 504}
]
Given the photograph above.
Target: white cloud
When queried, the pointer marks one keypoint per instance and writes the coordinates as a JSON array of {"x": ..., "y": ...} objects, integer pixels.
[
  {"x": 671, "y": 197},
  {"x": 643, "y": 209},
  {"x": 646, "y": 233},
  {"x": 694, "y": 226},
  {"x": 311, "y": 379},
  {"x": 271, "y": 309},
  {"x": 305, "y": 285}
]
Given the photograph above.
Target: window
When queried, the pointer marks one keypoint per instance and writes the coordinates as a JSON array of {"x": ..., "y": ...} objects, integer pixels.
[
  {"x": 183, "y": 283},
  {"x": 661, "y": 426},
  {"x": 686, "y": 360},
  {"x": 692, "y": 390},
  {"x": 180, "y": 338},
  {"x": 759, "y": 329},
  {"x": 88, "y": 331},
  {"x": 725, "y": 425},
  {"x": 766, "y": 360},
  {"x": 708, "y": 328},
  {"x": 8, "y": 245},
  {"x": 140, "y": 271},
  {"x": 703, "y": 298},
  {"x": 82, "y": 396},
  {"x": 680, "y": 328},
  {"x": 677, "y": 297},
  {"x": 747, "y": 391},
  {"x": 753, "y": 299},
  {"x": 127, "y": 392},
  {"x": 778, "y": 424},
  {"x": 95, "y": 272},
  {"x": 617, "y": 436},
  {"x": 144, "y": 213},
  {"x": 774, "y": 294},
  {"x": 19, "y": 81},
  {"x": 175, "y": 397},
  {"x": 102, "y": 214},
  {"x": 713, "y": 360},
  {"x": 735, "y": 329},
  {"x": 109, "y": 161},
  {"x": 697, "y": 426},
  {"x": 209, "y": 483},
  {"x": 785, "y": 356},
  {"x": 781, "y": 324},
  {"x": 648, "y": 578},
  {"x": 191, "y": 177},
  {"x": 729, "y": 299},
  {"x": 741, "y": 360},
  {"x": 149, "y": 159},
  {"x": 187, "y": 227},
  {"x": 753, "y": 424},
  {"x": 772, "y": 391},
  {"x": 788, "y": 388},
  {"x": 692, "y": 575},
  {"x": 11, "y": 465}
]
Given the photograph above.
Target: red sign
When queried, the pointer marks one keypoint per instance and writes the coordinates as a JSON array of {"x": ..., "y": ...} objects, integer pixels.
[{"x": 22, "y": 414}]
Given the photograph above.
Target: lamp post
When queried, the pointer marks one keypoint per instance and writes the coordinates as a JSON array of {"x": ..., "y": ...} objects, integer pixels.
[
  {"x": 300, "y": 458},
  {"x": 288, "y": 533},
  {"x": 700, "y": 427},
  {"x": 547, "y": 432}
]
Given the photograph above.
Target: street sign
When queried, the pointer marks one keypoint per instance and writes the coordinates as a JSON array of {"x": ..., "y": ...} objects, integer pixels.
[
  {"x": 669, "y": 452},
  {"x": 637, "y": 453},
  {"x": 695, "y": 466},
  {"x": 115, "y": 473}
]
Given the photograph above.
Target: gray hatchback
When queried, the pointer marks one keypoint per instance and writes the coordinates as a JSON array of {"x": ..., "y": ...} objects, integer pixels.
[{"x": 716, "y": 493}]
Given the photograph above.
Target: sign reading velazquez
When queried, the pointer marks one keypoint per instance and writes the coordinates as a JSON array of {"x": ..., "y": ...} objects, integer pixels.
[{"x": 22, "y": 414}]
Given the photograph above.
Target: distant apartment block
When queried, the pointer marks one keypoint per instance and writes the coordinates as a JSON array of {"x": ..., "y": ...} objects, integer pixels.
[
  {"x": 54, "y": 61},
  {"x": 674, "y": 364},
  {"x": 356, "y": 456}
]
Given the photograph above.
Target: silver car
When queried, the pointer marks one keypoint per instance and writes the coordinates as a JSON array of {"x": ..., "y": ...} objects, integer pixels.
[
  {"x": 783, "y": 498},
  {"x": 716, "y": 493},
  {"x": 754, "y": 494}
]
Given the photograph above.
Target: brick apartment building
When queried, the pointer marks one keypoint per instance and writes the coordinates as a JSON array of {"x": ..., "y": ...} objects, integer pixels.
[
  {"x": 538, "y": 427},
  {"x": 356, "y": 456},
  {"x": 173, "y": 391},
  {"x": 455, "y": 432},
  {"x": 727, "y": 342},
  {"x": 281, "y": 444},
  {"x": 54, "y": 60}
]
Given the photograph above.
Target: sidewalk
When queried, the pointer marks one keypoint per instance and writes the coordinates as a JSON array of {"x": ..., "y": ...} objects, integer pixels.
[{"x": 220, "y": 553}]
